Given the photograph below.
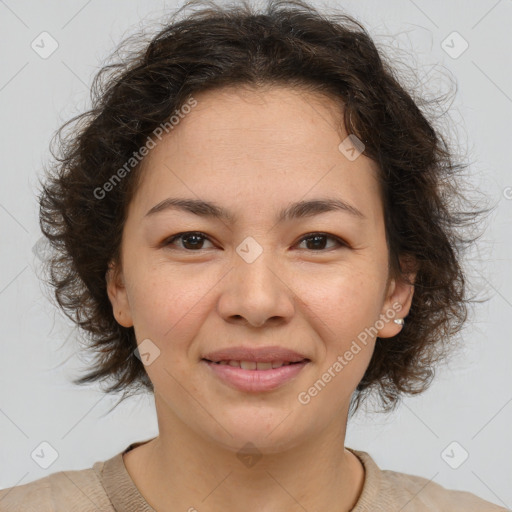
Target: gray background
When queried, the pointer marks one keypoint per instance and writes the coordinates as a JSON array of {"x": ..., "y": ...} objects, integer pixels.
[{"x": 470, "y": 400}]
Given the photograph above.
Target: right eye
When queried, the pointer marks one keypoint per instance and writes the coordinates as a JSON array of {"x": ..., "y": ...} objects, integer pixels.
[{"x": 191, "y": 240}]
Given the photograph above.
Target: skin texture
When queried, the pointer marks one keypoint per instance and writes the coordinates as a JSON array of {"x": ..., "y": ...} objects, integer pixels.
[{"x": 253, "y": 152}]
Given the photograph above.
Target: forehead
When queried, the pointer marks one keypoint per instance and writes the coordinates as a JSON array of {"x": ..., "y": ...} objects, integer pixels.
[
  {"x": 275, "y": 143},
  {"x": 286, "y": 112}
]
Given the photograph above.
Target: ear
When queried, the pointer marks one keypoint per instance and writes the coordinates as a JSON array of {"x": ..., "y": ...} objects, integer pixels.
[
  {"x": 118, "y": 296},
  {"x": 397, "y": 303}
]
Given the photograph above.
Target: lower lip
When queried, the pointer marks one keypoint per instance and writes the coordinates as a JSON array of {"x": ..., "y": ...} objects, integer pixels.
[{"x": 255, "y": 380}]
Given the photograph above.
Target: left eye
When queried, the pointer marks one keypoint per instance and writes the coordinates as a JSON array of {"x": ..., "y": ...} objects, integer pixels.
[
  {"x": 318, "y": 240},
  {"x": 195, "y": 240}
]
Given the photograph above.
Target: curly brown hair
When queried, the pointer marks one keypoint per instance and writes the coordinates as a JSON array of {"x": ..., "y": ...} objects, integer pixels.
[{"x": 290, "y": 43}]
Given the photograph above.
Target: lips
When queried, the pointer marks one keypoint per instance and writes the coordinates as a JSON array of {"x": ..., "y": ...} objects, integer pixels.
[
  {"x": 253, "y": 365},
  {"x": 255, "y": 381},
  {"x": 247, "y": 355}
]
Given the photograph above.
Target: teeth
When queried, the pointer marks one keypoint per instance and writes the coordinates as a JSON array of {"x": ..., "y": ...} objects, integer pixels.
[
  {"x": 252, "y": 365},
  {"x": 263, "y": 366}
]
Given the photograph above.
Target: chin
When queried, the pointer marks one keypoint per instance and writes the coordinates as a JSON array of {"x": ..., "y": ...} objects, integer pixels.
[{"x": 261, "y": 435}]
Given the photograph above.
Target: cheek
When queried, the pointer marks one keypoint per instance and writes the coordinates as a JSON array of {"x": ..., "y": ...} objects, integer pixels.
[
  {"x": 346, "y": 299},
  {"x": 347, "y": 311},
  {"x": 342, "y": 312},
  {"x": 169, "y": 303}
]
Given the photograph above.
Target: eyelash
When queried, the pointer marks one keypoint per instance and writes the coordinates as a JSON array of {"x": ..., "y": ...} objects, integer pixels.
[{"x": 341, "y": 243}]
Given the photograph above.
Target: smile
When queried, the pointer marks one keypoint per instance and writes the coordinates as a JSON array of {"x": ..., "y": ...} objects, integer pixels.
[
  {"x": 253, "y": 365},
  {"x": 252, "y": 376}
]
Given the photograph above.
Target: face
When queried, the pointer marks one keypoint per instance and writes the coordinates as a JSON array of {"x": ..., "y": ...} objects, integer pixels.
[{"x": 311, "y": 281}]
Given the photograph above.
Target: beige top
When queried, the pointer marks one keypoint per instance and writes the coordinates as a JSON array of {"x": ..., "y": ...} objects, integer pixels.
[{"x": 107, "y": 487}]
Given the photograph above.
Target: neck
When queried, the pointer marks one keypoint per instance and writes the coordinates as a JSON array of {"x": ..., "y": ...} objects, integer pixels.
[{"x": 180, "y": 470}]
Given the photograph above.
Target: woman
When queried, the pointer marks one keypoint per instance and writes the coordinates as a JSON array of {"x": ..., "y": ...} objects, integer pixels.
[{"x": 254, "y": 224}]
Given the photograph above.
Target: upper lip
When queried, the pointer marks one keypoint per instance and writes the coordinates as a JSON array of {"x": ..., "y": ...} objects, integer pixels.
[{"x": 257, "y": 354}]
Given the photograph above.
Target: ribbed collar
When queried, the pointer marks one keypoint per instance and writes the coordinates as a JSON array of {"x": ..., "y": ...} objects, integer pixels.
[
  {"x": 119, "y": 486},
  {"x": 125, "y": 496}
]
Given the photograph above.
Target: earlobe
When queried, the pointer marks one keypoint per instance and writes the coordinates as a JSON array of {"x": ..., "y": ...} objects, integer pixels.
[
  {"x": 118, "y": 296},
  {"x": 397, "y": 305}
]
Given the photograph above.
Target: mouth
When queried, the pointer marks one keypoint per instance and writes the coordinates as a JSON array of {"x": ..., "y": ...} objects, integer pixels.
[
  {"x": 247, "y": 355},
  {"x": 255, "y": 377},
  {"x": 255, "y": 365}
]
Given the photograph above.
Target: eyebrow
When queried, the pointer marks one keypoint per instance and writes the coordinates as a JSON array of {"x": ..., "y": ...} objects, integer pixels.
[{"x": 298, "y": 210}]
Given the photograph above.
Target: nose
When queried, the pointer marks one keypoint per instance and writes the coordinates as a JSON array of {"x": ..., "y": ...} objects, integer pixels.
[{"x": 256, "y": 293}]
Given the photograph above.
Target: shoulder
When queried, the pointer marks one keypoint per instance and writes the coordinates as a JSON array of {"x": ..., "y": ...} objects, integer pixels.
[
  {"x": 389, "y": 490},
  {"x": 425, "y": 494},
  {"x": 28, "y": 497},
  {"x": 57, "y": 491}
]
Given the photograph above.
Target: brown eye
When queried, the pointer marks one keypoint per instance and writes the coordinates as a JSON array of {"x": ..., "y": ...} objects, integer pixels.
[
  {"x": 194, "y": 241},
  {"x": 317, "y": 241},
  {"x": 191, "y": 240}
]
